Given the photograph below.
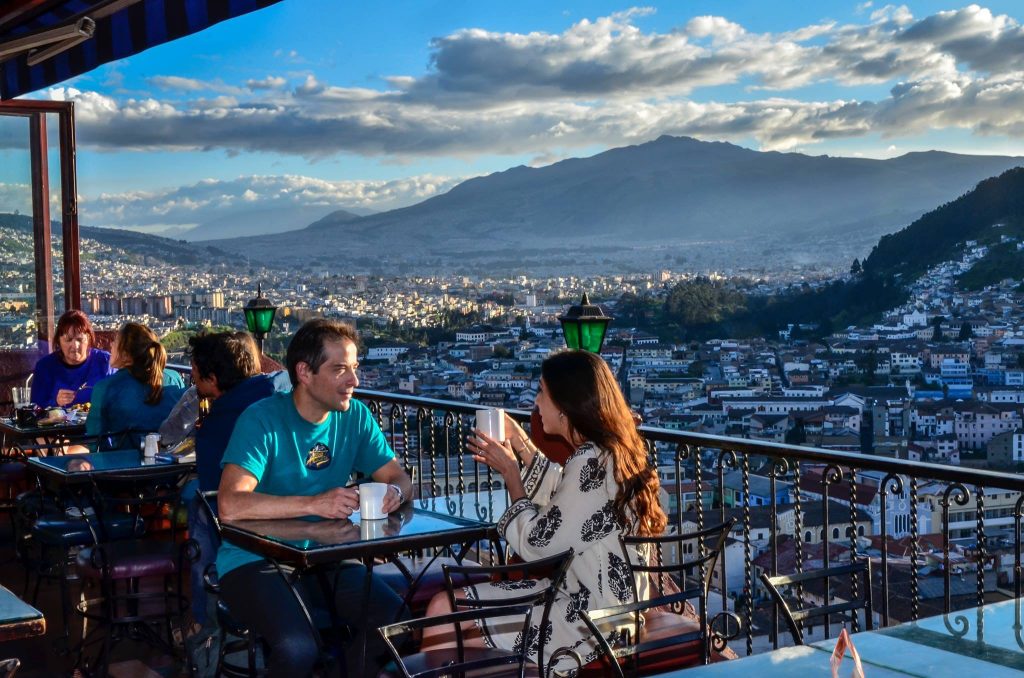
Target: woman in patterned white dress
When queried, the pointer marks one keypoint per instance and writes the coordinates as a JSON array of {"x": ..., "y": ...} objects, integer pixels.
[{"x": 606, "y": 488}]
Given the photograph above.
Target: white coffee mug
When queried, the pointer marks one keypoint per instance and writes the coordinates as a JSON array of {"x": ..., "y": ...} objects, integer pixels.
[
  {"x": 371, "y": 501},
  {"x": 492, "y": 422}
]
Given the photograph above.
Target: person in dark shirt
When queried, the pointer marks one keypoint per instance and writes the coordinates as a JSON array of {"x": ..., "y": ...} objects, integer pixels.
[{"x": 225, "y": 370}]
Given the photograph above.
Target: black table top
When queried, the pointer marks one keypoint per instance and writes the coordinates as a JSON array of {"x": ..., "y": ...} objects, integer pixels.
[
  {"x": 305, "y": 542},
  {"x": 10, "y": 427},
  {"x": 63, "y": 468}
]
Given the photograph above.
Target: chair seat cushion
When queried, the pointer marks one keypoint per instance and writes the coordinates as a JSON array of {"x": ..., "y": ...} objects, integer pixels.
[
  {"x": 429, "y": 585},
  {"x": 132, "y": 558},
  {"x": 62, "y": 530}
]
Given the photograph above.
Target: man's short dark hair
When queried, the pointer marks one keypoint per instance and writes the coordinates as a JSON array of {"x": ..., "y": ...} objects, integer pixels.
[
  {"x": 232, "y": 357},
  {"x": 307, "y": 346}
]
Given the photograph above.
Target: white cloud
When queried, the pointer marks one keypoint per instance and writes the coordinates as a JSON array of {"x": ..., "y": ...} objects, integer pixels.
[
  {"x": 605, "y": 82},
  {"x": 211, "y": 199}
]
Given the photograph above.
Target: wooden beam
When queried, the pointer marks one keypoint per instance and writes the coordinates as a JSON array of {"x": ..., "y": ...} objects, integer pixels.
[{"x": 69, "y": 209}]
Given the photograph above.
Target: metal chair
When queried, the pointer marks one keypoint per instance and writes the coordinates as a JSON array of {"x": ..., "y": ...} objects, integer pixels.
[
  {"x": 119, "y": 566},
  {"x": 623, "y": 632},
  {"x": 858, "y": 574},
  {"x": 484, "y": 661},
  {"x": 466, "y": 662},
  {"x": 233, "y": 636},
  {"x": 51, "y": 526},
  {"x": 553, "y": 568}
]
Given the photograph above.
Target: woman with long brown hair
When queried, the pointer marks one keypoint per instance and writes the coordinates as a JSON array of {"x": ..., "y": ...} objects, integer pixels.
[
  {"x": 140, "y": 395},
  {"x": 605, "y": 489}
]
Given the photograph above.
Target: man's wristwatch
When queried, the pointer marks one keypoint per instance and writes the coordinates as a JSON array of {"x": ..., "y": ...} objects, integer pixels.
[{"x": 398, "y": 489}]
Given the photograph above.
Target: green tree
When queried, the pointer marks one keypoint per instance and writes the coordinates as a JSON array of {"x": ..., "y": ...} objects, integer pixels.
[
  {"x": 855, "y": 268},
  {"x": 965, "y": 332},
  {"x": 701, "y": 302},
  {"x": 937, "y": 328}
]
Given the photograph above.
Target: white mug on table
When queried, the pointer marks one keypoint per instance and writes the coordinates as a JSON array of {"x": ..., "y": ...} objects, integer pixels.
[{"x": 371, "y": 501}]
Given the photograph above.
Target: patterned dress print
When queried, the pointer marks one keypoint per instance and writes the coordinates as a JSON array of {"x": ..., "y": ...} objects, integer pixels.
[{"x": 565, "y": 508}]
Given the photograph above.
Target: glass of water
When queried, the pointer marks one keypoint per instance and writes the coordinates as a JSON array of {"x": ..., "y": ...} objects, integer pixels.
[{"x": 21, "y": 395}]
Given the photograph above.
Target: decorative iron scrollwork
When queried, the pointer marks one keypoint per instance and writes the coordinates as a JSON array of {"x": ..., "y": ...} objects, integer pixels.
[{"x": 724, "y": 626}]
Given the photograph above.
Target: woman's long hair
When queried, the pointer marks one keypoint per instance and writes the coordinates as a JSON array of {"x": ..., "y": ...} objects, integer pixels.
[
  {"x": 580, "y": 384},
  {"x": 145, "y": 357}
]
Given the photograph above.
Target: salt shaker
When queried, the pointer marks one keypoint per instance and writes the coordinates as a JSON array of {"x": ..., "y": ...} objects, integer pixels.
[{"x": 152, "y": 443}]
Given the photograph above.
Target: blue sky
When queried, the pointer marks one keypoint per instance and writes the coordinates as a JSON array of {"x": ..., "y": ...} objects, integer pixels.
[{"x": 379, "y": 105}]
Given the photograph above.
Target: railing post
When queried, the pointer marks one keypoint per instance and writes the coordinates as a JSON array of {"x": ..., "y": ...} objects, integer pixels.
[
  {"x": 980, "y": 548},
  {"x": 959, "y": 494},
  {"x": 747, "y": 554},
  {"x": 779, "y": 468},
  {"x": 854, "y": 581},
  {"x": 830, "y": 475},
  {"x": 914, "y": 550},
  {"x": 891, "y": 483},
  {"x": 725, "y": 458}
]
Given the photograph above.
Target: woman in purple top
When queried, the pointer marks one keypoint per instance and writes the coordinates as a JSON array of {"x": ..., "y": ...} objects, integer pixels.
[{"x": 66, "y": 376}]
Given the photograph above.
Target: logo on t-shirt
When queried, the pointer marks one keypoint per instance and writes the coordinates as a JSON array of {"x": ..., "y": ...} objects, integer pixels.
[{"x": 319, "y": 457}]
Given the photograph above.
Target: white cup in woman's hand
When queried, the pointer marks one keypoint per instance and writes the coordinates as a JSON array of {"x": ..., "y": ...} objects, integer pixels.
[{"x": 491, "y": 422}]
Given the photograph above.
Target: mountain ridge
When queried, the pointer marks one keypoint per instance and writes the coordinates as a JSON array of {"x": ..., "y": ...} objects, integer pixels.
[{"x": 672, "y": 189}]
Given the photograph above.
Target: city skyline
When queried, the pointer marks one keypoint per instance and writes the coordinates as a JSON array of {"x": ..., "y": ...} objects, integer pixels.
[{"x": 381, "y": 107}]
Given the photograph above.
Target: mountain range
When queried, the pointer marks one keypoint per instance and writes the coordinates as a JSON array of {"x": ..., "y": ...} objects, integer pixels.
[
  {"x": 260, "y": 222},
  {"x": 670, "y": 191}
]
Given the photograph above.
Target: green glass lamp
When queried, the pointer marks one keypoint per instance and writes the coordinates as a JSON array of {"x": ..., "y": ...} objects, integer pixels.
[
  {"x": 259, "y": 316},
  {"x": 584, "y": 326}
]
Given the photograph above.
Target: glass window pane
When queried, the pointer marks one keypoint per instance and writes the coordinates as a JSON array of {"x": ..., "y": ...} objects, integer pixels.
[{"x": 18, "y": 311}]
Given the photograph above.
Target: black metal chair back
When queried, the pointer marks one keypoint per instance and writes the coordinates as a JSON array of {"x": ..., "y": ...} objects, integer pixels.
[
  {"x": 431, "y": 664},
  {"x": 858, "y": 573},
  {"x": 553, "y": 568},
  {"x": 142, "y": 494},
  {"x": 679, "y": 569}
]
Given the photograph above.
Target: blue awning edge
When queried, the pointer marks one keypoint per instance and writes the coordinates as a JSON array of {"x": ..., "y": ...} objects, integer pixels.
[{"x": 134, "y": 28}]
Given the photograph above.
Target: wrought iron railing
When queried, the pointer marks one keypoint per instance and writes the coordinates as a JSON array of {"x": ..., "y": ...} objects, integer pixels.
[{"x": 429, "y": 438}]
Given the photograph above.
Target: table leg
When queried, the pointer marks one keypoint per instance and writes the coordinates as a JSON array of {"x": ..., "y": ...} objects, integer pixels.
[{"x": 364, "y": 633}]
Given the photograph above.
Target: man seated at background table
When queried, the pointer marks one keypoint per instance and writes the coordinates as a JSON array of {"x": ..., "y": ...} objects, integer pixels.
[
  {"x": 226, "y": 370},
  {"x": 291, "y": 455}
]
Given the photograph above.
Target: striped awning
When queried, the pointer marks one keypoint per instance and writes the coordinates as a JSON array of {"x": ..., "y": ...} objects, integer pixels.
[{"x": 44, "y": 42}]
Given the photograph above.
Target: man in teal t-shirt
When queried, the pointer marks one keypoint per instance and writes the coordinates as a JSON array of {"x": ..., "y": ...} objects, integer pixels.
[{"x": 291, "y": 455}]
